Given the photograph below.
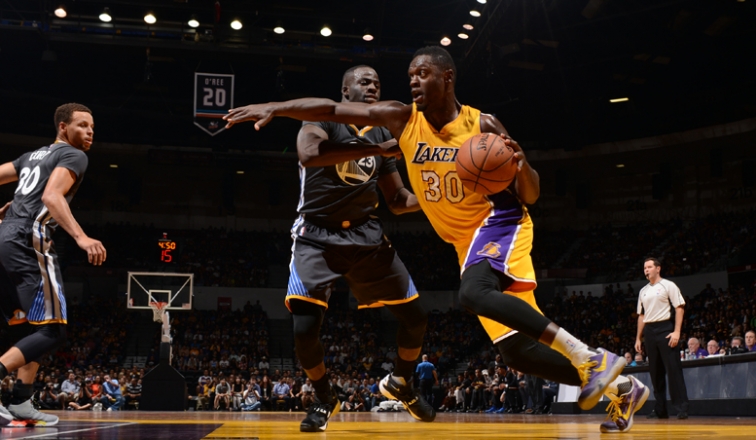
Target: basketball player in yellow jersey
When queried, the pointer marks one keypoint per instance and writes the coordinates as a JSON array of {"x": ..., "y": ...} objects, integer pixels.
[{"x": 492, "y": 234}]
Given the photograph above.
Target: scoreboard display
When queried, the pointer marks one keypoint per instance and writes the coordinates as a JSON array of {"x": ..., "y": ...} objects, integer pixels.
[{"x": 168, "y": 249}]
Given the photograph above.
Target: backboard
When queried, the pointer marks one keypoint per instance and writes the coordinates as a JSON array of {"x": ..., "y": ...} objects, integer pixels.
[{"x": 176, "y": 289}]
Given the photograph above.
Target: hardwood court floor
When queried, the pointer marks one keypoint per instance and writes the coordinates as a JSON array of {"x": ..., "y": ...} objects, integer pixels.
[{"x": 132, "y": 425}]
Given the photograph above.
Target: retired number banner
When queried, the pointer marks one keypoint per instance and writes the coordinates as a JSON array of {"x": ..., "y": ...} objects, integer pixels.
[{"x": 213, "y": 98}]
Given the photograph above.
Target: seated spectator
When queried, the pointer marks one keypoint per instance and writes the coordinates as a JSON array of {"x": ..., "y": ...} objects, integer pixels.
[
  {"x": 69, "y": 390},
  {"x": 222, "y": 394},
  {"x": 237, "y": 393},
  {"x": 85, "y": 397},
  {"x": 251, "y": 397},
  {"x": 712, "y": 349},
  {"x": 47, "y": 398},
  {"x": 639, "y": 359},
  {"x": 308, "y": 394},
  {"x": 281, "y": 393},
  {"x": 629, "y": 359},
  {"x": 750, "y": 340},
  {"x": 737, "y": 345},
  {"x": 134, "y": 392},
  {"x": 695, "y": 351},
  {"x": 112, "y": 398},
  {"x": 353, "y": 403}
]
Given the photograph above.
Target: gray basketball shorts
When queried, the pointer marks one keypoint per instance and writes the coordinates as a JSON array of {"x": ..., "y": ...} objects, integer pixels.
[
  {"x": 31, "y": 286},
  {"x": 361, "y": 254}
]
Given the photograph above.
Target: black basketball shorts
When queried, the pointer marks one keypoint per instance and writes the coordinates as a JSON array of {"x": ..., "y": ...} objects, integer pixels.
[
  {"x": 361, "y": 254},
  {"x": 31, "y": 286}
]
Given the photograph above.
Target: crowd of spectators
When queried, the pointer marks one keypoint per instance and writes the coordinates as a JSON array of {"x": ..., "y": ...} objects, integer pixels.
[
  {"x": 222, "y": 341},
  {"x": 230, "y": 258}
]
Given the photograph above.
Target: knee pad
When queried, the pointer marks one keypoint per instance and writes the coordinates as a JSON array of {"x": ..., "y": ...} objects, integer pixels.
[
  {"x": 42, "y": 339},
  {"x": 307, "y": 318}
]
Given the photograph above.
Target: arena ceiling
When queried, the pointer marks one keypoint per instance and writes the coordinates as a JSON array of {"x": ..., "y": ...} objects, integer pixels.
[{"x": 546, "y": 68}]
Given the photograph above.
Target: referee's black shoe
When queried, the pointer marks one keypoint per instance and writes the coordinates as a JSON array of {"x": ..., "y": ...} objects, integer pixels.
[
  {"x": 410, "y": 398},
  {"x": 319, "y": 413},
  {"x": 655, "y": 415}
]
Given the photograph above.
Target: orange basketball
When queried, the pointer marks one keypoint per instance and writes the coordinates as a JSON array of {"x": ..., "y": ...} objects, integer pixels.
[{"x": 485, "y": 164}]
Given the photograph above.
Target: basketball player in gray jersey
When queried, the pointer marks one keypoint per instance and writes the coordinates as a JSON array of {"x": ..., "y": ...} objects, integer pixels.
[
  {"x": 341, "y": 168},
  {"x": 31, "y": 287}
]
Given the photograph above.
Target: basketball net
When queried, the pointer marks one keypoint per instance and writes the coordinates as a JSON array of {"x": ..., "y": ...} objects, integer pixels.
[{"x": 160, "y": 314}]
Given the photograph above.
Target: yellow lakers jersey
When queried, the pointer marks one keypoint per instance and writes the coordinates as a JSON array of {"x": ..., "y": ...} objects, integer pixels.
[{"x": 454, "y": 211}]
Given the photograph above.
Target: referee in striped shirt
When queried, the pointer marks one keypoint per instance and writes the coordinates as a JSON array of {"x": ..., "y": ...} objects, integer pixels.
[{"x": 660, "y": 315}]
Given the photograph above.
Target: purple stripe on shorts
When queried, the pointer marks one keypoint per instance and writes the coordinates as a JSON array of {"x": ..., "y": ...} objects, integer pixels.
[{"x": 493, "y": 241}]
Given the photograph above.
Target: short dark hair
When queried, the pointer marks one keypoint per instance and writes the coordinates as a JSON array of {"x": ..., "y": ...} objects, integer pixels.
[
  {"x": 351, "y": 70},
  {"x": 440, "y": 57},
  {"x": 65, "y": 112},
  {"x": 656, "y": 262}
]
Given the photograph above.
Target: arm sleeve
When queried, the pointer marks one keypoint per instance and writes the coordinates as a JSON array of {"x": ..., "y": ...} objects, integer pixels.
[
  {"x": 675, "y": 296},
  {"x": 74, "y": 160}
]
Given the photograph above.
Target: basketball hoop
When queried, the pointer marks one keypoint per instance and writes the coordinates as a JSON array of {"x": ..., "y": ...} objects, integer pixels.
[{"x": 158, "y": 310}]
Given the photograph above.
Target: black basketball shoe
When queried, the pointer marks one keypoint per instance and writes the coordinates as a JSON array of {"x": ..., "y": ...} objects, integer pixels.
[
  {"x": 319, "y": 413},
  {"x": 410, "y": 398}
]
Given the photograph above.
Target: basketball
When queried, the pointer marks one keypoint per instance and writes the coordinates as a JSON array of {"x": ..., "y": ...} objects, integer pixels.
[{"x": 485, "y": 164}]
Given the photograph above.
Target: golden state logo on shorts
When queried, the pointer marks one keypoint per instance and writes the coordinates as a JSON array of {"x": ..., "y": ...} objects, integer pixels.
[{"x": 490, "y": 250}]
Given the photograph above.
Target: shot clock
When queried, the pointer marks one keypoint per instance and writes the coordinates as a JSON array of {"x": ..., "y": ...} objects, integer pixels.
[{"x": 168, "y": 249}]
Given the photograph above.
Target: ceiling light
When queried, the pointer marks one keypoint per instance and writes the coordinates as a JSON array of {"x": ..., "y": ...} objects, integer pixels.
[
  {"x": 445, "y": 41},
  {"x": 112, "y": 165},
  {"x": 616, "y": 100},
  {"x": 61, "y": 12},
  {"x": 368, "y": 36},
  {"x": 482, "y": 2},
  {"x": 620, "y": 165},
  {"x": 105, "y": 15},
  {"x": 236, "y": 25},
  {"x": 475, "y": 13},
  {"x": 279, "y": 29},
  {"x": 463, "y": 35},
  {"x": 240, "y": 172},
  {"x": 150, "y": 18},
  {"x": 468, "y": 26},
  {"x": 193, "y": 22},
  {"x": 326, "y": 31}
]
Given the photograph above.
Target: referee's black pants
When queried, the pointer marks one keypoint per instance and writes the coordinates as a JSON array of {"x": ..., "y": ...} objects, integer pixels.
[
  {"x": 665, "y": 359},
  {"x": 426, "y": 390}
]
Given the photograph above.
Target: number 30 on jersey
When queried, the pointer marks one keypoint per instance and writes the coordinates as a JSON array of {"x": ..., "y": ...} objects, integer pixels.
[
  {"x": 454, "y": 190},
  {"x": 27, "y": 180}
]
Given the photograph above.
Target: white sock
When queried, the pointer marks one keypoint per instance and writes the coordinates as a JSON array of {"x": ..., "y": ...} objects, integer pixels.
[
  {"x": 571, "y": 347},
  {"x": 398, "y": 379}
]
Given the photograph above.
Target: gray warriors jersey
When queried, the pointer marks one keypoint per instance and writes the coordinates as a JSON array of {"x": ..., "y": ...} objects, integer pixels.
[
  {"x": 34, "y": 170},
  {"x": 345, "y": 191}
]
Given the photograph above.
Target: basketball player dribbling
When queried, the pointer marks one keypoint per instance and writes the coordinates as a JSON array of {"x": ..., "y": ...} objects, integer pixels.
[
  {"x": 31, "y": 287},
  {"x": 340, "y": 168},
  {"x": 492, "y": 234}
]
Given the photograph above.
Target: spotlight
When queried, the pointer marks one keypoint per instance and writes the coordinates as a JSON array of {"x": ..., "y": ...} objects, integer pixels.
[
  {"x": 445, "y": 41},
  {"x": 326, "y": 31},
  {"x": 368, "y": 36},
  {"x": 61, "y": 12},
  {"x": 463, "y": 35},
  {"x": 236, "y": 25},
  {"x": 193, "y": 22},
  {"x": 482, "y": 2},
  {"x": 279, "y": 29},
  {"x": 616, "y": 100},
  {"x": 149, "y": 18},
  {"x": 105, "y": 15},
  {"x": 475, "y": 13},
  {"x": 468, "y": 26}
]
